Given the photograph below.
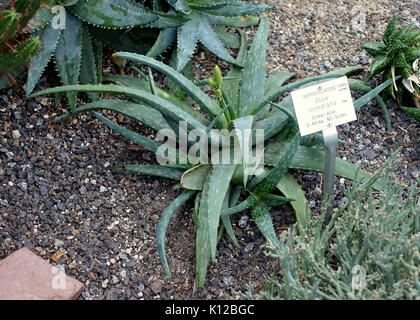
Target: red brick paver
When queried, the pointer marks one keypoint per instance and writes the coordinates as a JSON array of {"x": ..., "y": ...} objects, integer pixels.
[{"x": 25, "y": 276}]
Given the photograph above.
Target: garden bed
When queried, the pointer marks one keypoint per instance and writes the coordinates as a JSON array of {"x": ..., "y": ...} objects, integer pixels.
[{"x": 58, "y": 194}]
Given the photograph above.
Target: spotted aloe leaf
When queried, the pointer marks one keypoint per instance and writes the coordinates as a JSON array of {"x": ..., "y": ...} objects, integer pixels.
[
  {"x": 68, "y": 55},
  {"x": 163, "y": 225},
  {"x": 113, "y": 13},
  {"x": 262, "y": 218},
  {"x": 252, "y": 88},
  {"x": 180, "y": 5}
]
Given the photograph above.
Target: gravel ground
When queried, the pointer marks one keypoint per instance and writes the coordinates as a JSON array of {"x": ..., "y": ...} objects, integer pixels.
[{"x": 58, "y": 197}]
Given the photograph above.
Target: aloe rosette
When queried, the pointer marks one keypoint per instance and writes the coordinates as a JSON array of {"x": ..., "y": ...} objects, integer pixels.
[{"x": 244, "y": 100}]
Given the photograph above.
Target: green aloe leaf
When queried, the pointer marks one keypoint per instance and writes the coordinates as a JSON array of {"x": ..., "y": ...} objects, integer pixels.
[
  {"x": 188, "y": 36},
  {"x": 88, "y": 71},
  {"x": 155, "y": 170},
  {"x": 121, "y": 41},
  {"x": 163, "y": 225},
  {"x": 229, "y": 39},
  {"x": 146, "y": 115},
  {"x": 230, "y": 86},
  {"x": 210, "y": 40},
  {"x": 194, "y": 178},
  {"x": 414, "y": 112},
  {"x": 226, "y": 219},
  {"x": 356, "y": 84},
  {"x": 252, "y": 87},
  {"x": 290, "y": 188},
  {"x": 274, "y": 176},
  {"x": 242, "y": 125},
  {"x": 378, "y": 65},
  {"x": 238, "y": 8},
  {"x": 390, "y": 30},
  {"x": 203, "y": 100},
  {"x": 311, "y": 159},
  {"x": 261, "y": 215},
  {"x": 143, "y": 84},
  {"x": 143, "y": 141},
  {"x": 372, "y": 94},
  {"x": 374, "y": 48},
  {"x": 180, "y": 5},
  {"x": 237, "y": 22},
  {"x": 68, "y": 55},
  {"x": 276, "y": 81},
  {"x": 219, "y": 182},
  {"x": 291, "y": 86},
  {"x": 113, "y": 13},
  {"x": 165, "y": 39},
  {"x": 49, "y": 38},
  {"x": 202, "y": 243},
  {"x": 162, "y": 105}
]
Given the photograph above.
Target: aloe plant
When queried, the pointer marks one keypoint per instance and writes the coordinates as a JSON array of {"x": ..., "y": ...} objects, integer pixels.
[
  {"x": 17, "y": 45},
  {"x": 206, "y": 22},
  {"x": 396, "y": 55},
  {"x": 77, "y": 48},
  {"x": 242, "y": 101}
]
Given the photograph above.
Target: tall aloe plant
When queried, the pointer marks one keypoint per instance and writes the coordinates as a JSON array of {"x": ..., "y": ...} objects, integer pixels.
[{"x": 243, "y": 99}]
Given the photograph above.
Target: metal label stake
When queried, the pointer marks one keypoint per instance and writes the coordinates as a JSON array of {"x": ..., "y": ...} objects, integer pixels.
[{"x": 331, "y": 140}]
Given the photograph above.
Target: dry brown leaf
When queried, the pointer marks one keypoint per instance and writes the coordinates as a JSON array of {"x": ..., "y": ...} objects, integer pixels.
[{"x": 57, "y": 256}]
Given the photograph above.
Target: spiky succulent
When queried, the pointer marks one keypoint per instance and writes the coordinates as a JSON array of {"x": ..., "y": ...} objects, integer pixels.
[
  {"x": 16, "y": 44},
  {"x": 205, "y": 25},
  {"x": 119, "y": 24},
  {"x": 395, "y": 55},
  {"x": 243, "y": 99}
]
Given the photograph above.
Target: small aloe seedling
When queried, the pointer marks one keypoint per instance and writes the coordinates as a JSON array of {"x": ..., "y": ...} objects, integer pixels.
[
  {"x": 396, "y": 55},
  {"x": 244, "y": 103}
]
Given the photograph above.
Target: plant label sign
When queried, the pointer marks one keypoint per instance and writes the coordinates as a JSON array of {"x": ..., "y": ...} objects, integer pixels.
[{"x": 323, "y": 106}]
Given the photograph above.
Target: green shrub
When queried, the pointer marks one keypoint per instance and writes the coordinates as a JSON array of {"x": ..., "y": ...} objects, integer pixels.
[
  {"x": 16, "y": 44},
  {"x": 375, "y": 238},
  {"x": 243, "y": 100}
]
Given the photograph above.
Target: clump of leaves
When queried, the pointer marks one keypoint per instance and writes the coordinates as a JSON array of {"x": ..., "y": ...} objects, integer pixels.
[
  {"x": 206, "y": 24},
  {"x": 396, "y": 55},
  {"x": 17, "y": 45},
  {"x": 77, "y": 46},
  {"x": 243, "y": 102},
  {"x": 369, "y": 251}
]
